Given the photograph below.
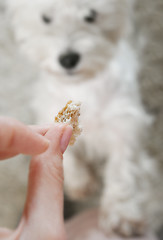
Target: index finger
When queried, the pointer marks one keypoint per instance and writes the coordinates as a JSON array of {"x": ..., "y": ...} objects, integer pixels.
[{"x": 19, "y": 138}]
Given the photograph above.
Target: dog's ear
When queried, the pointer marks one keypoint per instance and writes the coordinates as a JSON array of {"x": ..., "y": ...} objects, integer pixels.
[
  {"x": 14, "y": 10},
  {"x": 116, "y": 18},
  {"x": 13, "y": 4}
]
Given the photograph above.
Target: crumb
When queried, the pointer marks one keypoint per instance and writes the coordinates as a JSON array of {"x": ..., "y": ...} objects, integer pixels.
[{"x": 70, "y": 114}]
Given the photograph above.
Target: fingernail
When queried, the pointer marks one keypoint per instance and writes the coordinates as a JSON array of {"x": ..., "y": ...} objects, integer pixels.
[{"x": 65, "y": 138}]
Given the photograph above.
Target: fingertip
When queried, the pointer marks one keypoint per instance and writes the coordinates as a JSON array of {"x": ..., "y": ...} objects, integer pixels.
[
  {"x": 45, "y": 144},
  {"x": 39, "y": 145},
  {"x": 59, "y": 136}
]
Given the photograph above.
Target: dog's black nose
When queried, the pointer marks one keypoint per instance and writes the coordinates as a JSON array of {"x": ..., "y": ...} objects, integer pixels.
[{"x": 69, "y": 60}]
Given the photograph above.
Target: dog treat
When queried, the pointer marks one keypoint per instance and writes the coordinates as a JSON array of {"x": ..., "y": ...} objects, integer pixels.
[{"x": 70, "y": 114}]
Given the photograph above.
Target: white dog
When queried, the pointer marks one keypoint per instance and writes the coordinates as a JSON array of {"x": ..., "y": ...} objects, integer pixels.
[{"x": 85, "y": 49}]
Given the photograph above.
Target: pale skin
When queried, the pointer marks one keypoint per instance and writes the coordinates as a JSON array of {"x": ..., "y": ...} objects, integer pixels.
[{"x": 43, "y": 212}]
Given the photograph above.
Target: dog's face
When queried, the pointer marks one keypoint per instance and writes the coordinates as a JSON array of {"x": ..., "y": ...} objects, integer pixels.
[{"x": 69, "y": 37}]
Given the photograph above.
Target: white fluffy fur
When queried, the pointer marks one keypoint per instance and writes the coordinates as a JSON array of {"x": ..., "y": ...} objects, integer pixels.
[{"x": 113, "y": 118}]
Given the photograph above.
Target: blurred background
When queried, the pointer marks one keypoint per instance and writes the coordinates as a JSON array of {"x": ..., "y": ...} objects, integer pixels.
[{"x": 17, "y": 76}]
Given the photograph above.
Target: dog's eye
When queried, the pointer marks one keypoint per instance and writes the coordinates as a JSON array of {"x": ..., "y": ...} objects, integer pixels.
[
  {"x": 91, "y": 18},
  {"x": 46, "y": 19}
]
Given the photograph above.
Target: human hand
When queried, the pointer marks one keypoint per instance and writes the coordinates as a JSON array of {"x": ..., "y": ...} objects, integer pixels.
[
  {"x": 43, "y": 212},
  {"x": 16, "y": 138}
]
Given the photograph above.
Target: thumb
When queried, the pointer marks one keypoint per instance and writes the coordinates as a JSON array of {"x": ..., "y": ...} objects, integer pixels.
[{"x": 43, "y": 214}]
